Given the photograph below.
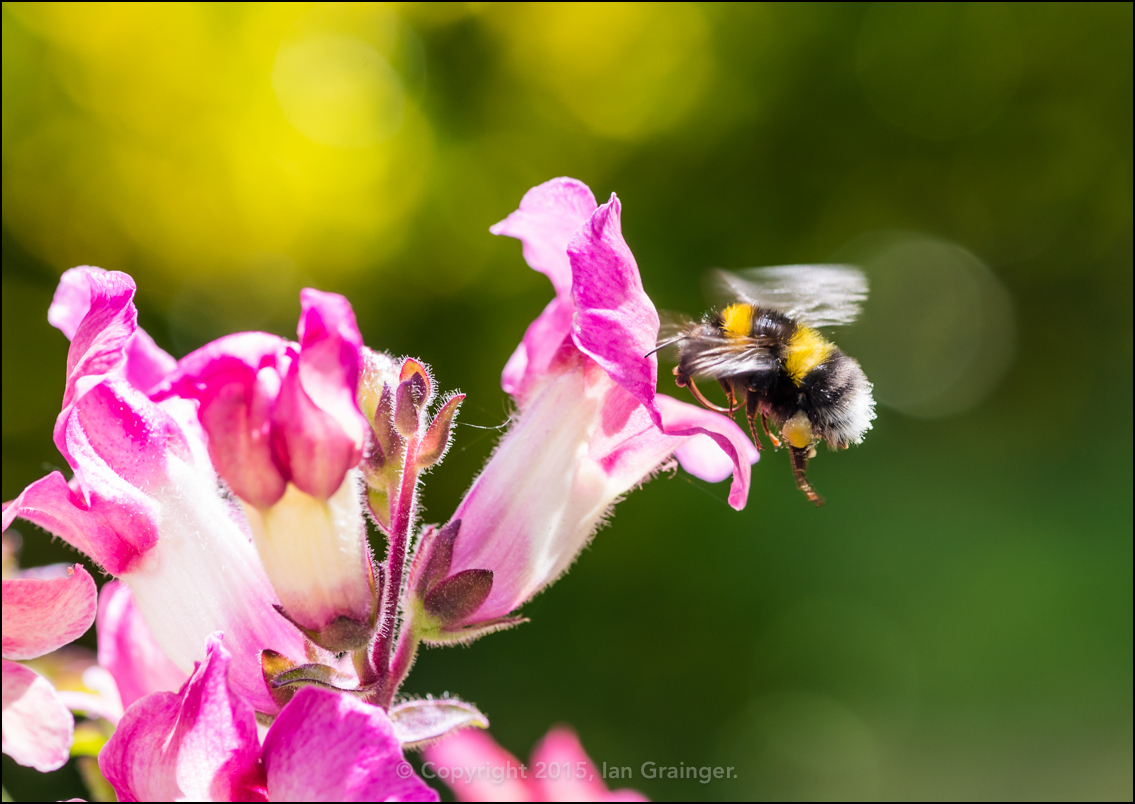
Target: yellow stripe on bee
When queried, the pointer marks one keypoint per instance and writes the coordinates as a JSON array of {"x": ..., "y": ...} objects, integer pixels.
[
  {"x": 806, "y": 349},
  {"x": 738, "y": 320}
]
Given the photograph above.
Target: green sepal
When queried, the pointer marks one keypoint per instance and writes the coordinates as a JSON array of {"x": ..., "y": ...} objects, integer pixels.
[
  {"x": 420, "y": 723},
  {"x": 438, "y": 636},
  {"x": 340, "y": 635},
  {"x": 436, "y": 440}
]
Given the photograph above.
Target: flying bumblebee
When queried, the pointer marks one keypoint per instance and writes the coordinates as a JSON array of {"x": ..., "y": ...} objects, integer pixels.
[{"x": 765, "y": 350}]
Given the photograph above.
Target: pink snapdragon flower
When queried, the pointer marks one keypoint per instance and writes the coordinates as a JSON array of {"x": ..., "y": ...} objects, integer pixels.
[
  {"x": 200, "y": 743},
  {"x": 278, "y": 412},
  {"x": 41, "y": 614},
  {"x": 286, "y": 434},
  {"x": 589, "y": 428},
  {"x": 144, "y": 502},
  {"x": 475, "y": 767}
]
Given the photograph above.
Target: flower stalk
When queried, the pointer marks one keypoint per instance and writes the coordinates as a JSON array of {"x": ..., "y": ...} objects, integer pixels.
[
  {"x": 400, "y": 525},
  {"x": 398, "y": 420}
]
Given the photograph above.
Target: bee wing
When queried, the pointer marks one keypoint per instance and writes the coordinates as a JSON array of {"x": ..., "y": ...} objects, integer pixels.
[
  {"x": 713, "y": 356},
  {"x": 673, "y": 325},
  {"x": 814, "y": 295}
]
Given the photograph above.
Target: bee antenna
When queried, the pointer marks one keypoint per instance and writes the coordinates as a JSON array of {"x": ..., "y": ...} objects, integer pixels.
[{"x": 664, "y": 344}]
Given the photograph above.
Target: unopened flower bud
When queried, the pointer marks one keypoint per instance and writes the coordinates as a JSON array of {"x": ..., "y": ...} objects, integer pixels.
[
  {"x": 407, "y": 416},
  {"x": 421, "y": 383},
  {"x": 378, "y": 371},
  {"x": 415, "y": 391},
  {"x": 382, "y": 463}
]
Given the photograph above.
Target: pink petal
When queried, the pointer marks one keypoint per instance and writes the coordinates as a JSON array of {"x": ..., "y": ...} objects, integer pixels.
[
  {"x": 577, "y": 778},
  {"x": 319, "y": 426},
  {"x": 102, "y": 340},
  {"x": 329, "y": 364},
  {"x": 98, "y": 345},
  {"x": 37, "y": 727},
  {"x": 114, "y": 433},
  {"x": 581, "y": 443},
  {"x": 233, "y": 358},
  {"x": 459, "y": 759},
  {"x": 237, "y": 419},
  {"x": 115, "y": 525},
  {"x": 327, "y": 746},
  {"x": 627, "y": 444},
  {"x": 548, "y": 216},
  {"x": 199, "y": 743},
  {"x": 734, "y": 452},
  {"x": 276, "y": 413},
  {"x": 616, "y": 323},
  {"x": 236, "y": 379},
  {"x": 128, "y": 650},
  {"x": 530, "y": 363},
  {"x": 146, "y": 362},
  {"x": 545, "y": 222},
  {"x": 201, "y": 576},
  {"x": 42, "y": 615},
  {"x": 72, "y": 300},
  {"x": 204, "y": 575}
]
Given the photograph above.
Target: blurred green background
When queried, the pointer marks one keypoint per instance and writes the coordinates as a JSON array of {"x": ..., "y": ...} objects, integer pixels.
[{"x": 955, "y": 623}]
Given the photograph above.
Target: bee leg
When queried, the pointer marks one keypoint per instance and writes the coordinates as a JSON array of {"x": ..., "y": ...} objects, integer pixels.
[
  {"x": 727, "y": 387},
  {"x": 799, "y": 464},
  {"x": 705, "y": 402},
  {"x": 764, "y": 426},
  {"x": 751, "y": 414}
]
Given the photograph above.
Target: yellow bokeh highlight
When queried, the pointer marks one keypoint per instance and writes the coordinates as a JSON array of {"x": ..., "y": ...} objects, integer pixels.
[
  {"x": 625, "y": 70},
  {"x": 207, "y": 138},
  {"x": 338, "y": 91}
]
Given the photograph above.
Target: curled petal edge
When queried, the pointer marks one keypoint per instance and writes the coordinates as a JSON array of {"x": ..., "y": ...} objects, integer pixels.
[{"x": 736, "y": 452}]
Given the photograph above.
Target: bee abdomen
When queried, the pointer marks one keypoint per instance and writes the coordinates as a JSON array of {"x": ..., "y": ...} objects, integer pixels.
[{"x": 838, "y": 399}]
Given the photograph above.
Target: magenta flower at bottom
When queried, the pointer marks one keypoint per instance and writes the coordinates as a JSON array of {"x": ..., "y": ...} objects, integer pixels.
[
  {"x": 476, "y": 768},
  {"x": 200, "y": 743}
]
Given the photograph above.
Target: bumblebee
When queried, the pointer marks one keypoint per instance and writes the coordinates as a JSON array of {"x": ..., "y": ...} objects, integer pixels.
[{"x": 765, "y": 349}]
